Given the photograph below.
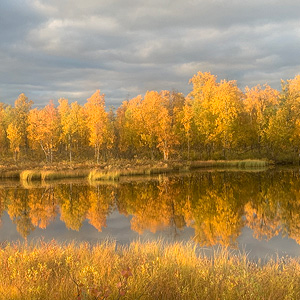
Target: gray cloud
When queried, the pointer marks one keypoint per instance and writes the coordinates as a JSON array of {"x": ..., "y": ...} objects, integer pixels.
[{"x": 70, "y": 48}]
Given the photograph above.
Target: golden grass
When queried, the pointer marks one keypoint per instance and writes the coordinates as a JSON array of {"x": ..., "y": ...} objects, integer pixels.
[
  {"x": 45, "y": 175},
  {"x": 63, "y": 174},
  {"x": 95, "y": 175},
  {"x": 29, "y": 175},
  {"x": 152, "y": 270},
  {"x": 10, "y": 174},
  {"x": 243, "y": 164},
  {"x": 114, "y": 174}
]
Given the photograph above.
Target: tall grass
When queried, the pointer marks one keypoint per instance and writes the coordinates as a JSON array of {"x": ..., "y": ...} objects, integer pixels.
[
  {"x": 10, "y": 174},
  {"x": 243, "y": 164},
  {"x": 95, "y": 175},
  {"x": 29, "y": 175},
  {"x": 150, "y": 270},
  {"x": 115, "y": 174},
  {"x": 62, "y": 174}
]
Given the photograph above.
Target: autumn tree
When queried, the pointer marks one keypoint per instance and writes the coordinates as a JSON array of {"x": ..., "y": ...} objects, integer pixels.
[
  {"x": 216, "y": 107},
  {"x": 15, "y": 138},
  {"x": 260, "y": 103},
  {"x": 227, "y": 107},
  {"x": 147, "y": 119},
  {"x": 97, "y": 123},
  {"x": 155, "y": 123},
  {"x": 20, "y": 118},
  {"x": 279, "y": 133},
  {"x": 17, "y": 122},
  {"x": 3, "y": 129},
  {"x": 204, "y": 89},
  {"x": 290, "y": 104},
  {"x": 43, "y": 129},
  {"x": 73, "y": 125},
  {"x": 186, "y": 121},
  {"x": 127, "y": 125}
]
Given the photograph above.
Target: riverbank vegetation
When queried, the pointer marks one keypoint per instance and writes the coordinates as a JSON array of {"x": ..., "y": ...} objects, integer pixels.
[
  {"x": 117, "y": 168},
  {"x": 215, "y": 121},
  {"x": 151, "y": 270}
]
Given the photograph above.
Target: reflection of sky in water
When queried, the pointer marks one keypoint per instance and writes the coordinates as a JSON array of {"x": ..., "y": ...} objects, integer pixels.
[
  {"x": 118, "y": 229},
  {"x": 214, "y": 205}
]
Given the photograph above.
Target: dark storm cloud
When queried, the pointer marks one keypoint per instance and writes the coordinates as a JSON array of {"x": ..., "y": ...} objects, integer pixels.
[{"x": 70, "y": 48}]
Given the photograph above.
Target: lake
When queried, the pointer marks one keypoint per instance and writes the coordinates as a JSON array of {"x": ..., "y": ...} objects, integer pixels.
[{"x": 255, "y": 211}]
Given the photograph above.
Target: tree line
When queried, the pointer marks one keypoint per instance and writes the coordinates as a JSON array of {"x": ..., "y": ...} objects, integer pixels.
[{"x": 216, "y": 120}]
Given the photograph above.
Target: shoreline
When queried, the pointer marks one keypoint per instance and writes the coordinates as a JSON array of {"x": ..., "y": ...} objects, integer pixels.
[{"x": 113, "y": 170}]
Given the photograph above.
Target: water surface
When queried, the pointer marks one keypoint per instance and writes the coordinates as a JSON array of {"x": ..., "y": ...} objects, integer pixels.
[{"x": 255, "y": 211}]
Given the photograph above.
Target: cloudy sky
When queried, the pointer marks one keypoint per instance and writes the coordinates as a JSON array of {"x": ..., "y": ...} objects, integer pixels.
[{"x": 71, "y": 48}]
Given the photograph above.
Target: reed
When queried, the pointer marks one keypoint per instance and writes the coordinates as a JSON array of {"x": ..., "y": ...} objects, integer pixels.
[
  {"x": 10, "y": 174},
  {"x": 134, "y": 171},
  {"x": 63, "y": 174},
  {"x": 151, "y": 270},
  {"x": 29, "y": 175},
  {"x": 242, "y": 164},
  {"x": 96, "y": 175}
]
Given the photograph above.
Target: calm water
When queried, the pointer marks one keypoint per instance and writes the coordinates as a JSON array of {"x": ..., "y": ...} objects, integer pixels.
[{"x": 255, "y": 211}]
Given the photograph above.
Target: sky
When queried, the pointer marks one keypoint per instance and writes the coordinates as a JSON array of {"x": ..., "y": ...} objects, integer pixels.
[{"x": 71, "y": 48}]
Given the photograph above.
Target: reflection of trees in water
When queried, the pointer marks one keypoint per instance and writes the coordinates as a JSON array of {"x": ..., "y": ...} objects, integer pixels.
[
  {"x": 101, "y": 200},
  {"x": 217, "y": 205},
  {"x": 43, "y": 207},
  {"x": 74, "y": 203},
  {"x": 19, "y": 211},
  {"x": 3, "y": 197}
]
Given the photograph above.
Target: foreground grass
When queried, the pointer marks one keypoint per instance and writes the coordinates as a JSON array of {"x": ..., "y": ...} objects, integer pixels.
[{"x": 140, "y": 271}]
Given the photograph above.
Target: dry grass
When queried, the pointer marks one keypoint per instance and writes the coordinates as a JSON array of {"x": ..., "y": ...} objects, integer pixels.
[
  {"x": 135, "y": 169},
  {"x": 63, "y": 174},
  {"x": 141, "y": 271},
  {"x": 242, "y": 164},
  {"x": 10, "y": 174},
  {"x": 29, "y": 175},
  {"x": 95, "y": 175}
]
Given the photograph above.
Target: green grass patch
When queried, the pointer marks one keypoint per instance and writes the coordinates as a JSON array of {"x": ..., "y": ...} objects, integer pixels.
[{"x": 151, "y": 270}]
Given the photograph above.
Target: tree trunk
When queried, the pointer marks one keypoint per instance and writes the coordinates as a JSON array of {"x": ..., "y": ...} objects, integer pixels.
[
  {"x": 188, "y": 148},
  {"x": 46, "y": 155},
  {"x": 70, "y": 148}
]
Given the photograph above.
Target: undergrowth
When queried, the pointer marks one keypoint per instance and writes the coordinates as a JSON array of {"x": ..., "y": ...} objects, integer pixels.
[{"x": 151, "y": 270}]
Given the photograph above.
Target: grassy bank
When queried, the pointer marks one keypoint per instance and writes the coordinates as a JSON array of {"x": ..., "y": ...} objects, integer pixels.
[
  {"x": 178, "y": 166},
  {"x": 29, "y": 175},
  {"x": 141, "y": 271},
  {"x": 115, "y": 169}
]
